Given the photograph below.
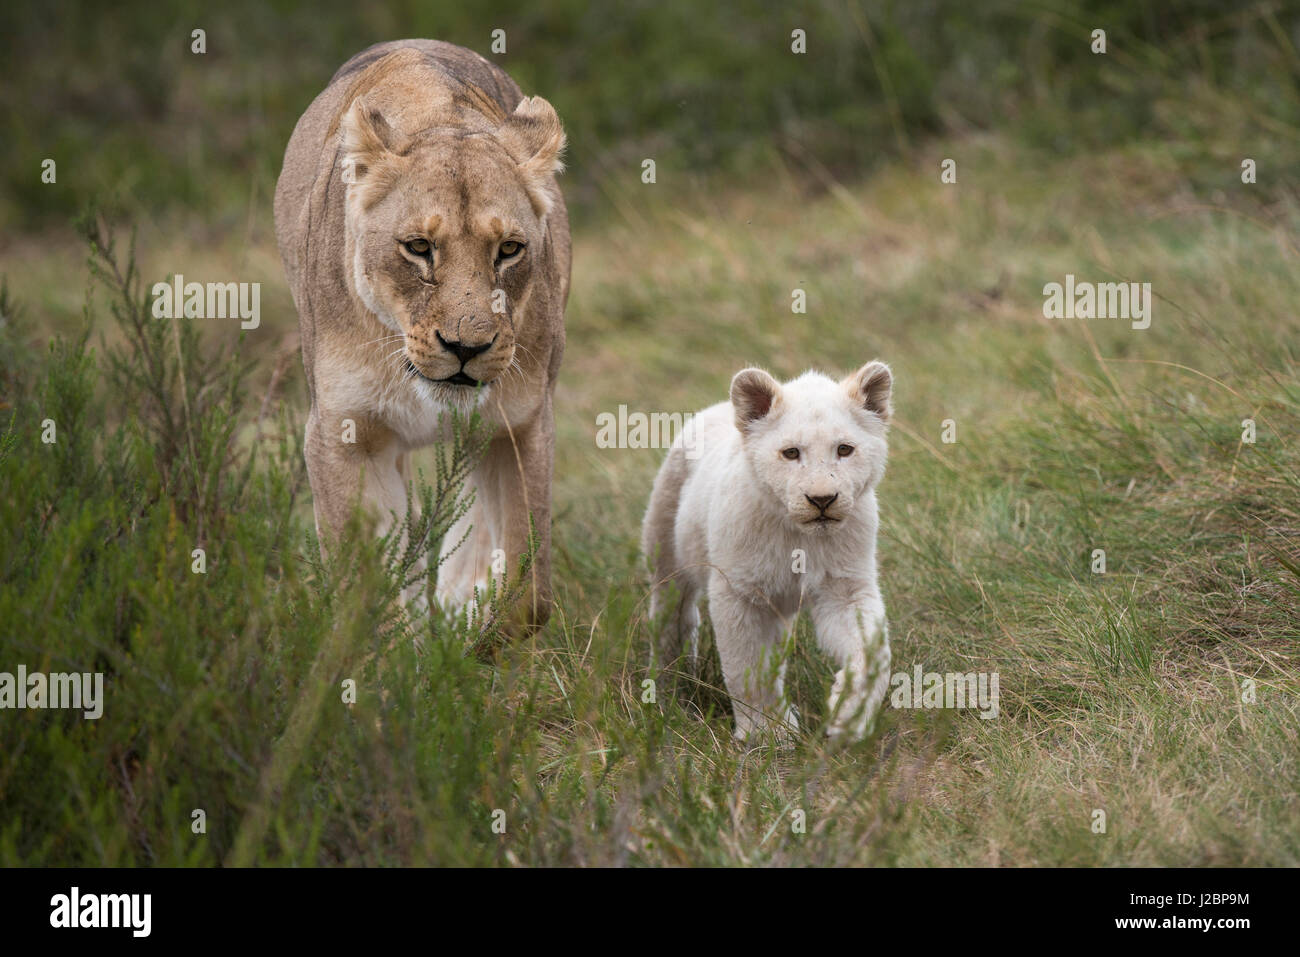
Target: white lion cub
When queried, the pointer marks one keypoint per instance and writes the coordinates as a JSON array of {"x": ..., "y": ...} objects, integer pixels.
[{"x": 767, "y": 505}]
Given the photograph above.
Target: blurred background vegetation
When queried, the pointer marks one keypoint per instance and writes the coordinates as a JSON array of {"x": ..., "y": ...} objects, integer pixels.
[{"x": 113, "y": 93}]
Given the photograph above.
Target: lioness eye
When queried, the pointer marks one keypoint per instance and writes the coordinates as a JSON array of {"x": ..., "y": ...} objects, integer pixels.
[
  {"x": 417, "y": 247},
  {"x": 791, "y": 454},
  {"x": 845, "y": 451},
  {"x": 510, "y": 248}
]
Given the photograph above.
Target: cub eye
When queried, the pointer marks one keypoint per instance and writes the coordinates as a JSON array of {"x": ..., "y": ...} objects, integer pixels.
[
  {"x": 845, "y": 451},
  {"x": 791, "y": 454},
  {"x": 509, "y": 248},
  {"x": 418, "y": 247}
]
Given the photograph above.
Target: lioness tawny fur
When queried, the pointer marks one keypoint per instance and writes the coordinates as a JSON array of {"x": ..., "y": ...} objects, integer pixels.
[
  {"x": 427, "y": 249},
  {"x": 766, "y": 505}
]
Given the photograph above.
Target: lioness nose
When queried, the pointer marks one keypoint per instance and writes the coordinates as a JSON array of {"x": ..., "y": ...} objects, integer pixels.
[
  {"x": 462, "y": 351},
  {"x": 822, "y": 502}
]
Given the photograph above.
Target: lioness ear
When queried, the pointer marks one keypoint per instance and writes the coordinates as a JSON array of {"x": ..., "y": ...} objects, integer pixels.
[
  {"x": 534, "y": 137},
  {"x": 753, "y": 394},
  {"x": 871, "y": 387},
  {"x": 366, "y": 138}
]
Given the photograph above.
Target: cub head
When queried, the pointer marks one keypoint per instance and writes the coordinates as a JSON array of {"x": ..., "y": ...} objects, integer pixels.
[
  {"x": 447, "y": 228},
  {"x": 818, "y": 446}
]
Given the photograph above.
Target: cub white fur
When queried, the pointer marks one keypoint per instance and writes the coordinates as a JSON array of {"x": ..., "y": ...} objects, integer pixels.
[{"x": 776, "y": 512}]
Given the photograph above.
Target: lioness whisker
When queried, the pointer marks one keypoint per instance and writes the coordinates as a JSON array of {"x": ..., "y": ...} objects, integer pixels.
[{"x": 393, "y": 335}]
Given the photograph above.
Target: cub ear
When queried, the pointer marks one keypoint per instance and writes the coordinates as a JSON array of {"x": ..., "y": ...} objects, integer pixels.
[
  {"x": 753, "y": 395},
  {"x": 533, "y": 136},
  {"x": 871, "y": 387},
  {"x": 366, "y": 139}
]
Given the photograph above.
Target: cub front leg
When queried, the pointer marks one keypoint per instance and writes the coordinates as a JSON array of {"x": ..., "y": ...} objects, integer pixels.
[
  {"x": 748, "y": 637},
  {"x": 852, "y": 630},
  {"x": 675, "y": 613}
]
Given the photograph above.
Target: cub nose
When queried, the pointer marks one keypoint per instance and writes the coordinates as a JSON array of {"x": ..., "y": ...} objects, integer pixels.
[
  {"x": 462, "y": 351},
  {"x": 822, "y": 502}
]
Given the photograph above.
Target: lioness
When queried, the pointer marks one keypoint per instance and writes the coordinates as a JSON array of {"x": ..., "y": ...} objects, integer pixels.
[
  {"x": 427, "y": 248},
  {"x": 777, "y": 513}
]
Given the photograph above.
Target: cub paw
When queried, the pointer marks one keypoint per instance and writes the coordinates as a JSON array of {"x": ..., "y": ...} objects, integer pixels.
[{"x": 852, "y": 717}]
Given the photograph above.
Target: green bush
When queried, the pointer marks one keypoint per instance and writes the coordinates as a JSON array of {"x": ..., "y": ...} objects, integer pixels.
[{"x": 222, "y": 683}]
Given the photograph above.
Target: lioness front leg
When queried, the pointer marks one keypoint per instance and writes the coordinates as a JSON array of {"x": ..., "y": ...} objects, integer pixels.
[
  {"x": 465, "y": 565},
  {"x": 514, "y": 486},
  {"x": 852, "y": 630},
  {"x": 748, "y": 637},
  {"x": 350, "y": 459}
]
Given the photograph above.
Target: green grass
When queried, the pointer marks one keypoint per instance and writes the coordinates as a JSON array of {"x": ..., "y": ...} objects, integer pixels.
[{"x": 1120, "y": 692}]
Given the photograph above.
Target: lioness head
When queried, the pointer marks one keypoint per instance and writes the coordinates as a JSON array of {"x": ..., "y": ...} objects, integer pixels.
[
  {"x": 816, "y": 445},
  {"x": 445, "y": 226}
]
